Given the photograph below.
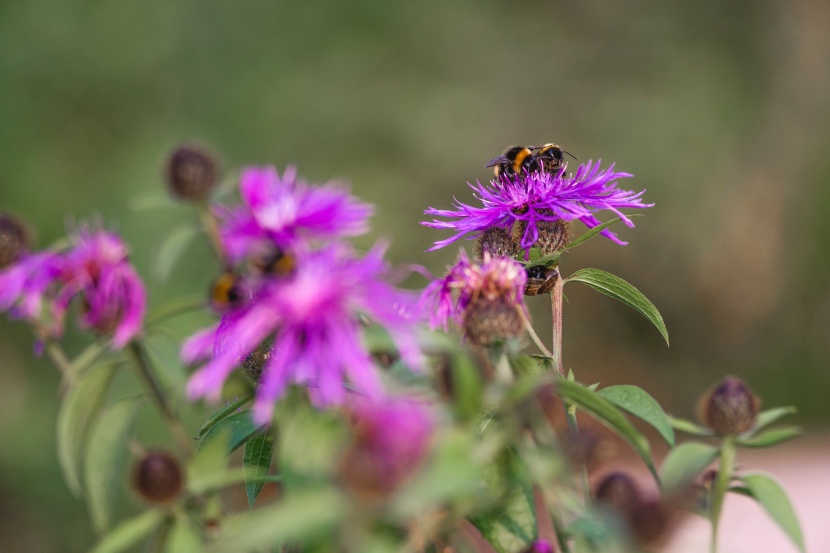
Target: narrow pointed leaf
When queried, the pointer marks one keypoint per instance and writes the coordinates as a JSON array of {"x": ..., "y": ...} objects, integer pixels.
[
  {"x": 766, "y": 418},
  {"x": 617, "y": 288},
  {"x": 511, "y": 528},
  {"x": 238, "y": 426},
  {"x": 596, "y": 230},
  {"x": 105, "y": 460},
  {"x": 129, "y": 532},
  {"x": 640, "y": 404},
  {"x": 224, "y": 412},
  {"x": 684, "y": 463},
  {"x": 608, "y": 414},
  {"x": 771, "y": 437},
  {"x": 689, "y": 427},
  {"x": 77, "y": 410},
  {"x": 259, "y": 451},
  {"x": 88, "y": 356},
  {"x": 297, "y": 517},
  {"x": 172, "y": 249},
  {"x": 772, "y": 497},
  {"x": 183, "y": 537}
]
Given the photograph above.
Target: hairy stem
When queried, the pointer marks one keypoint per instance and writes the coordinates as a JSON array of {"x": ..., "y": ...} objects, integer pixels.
[
  {"x": 721, "y": 486},
  {"x": 146, "y": 375},
  {"x": 556, "y": 305},
  {"x": 532, "y": 333}
]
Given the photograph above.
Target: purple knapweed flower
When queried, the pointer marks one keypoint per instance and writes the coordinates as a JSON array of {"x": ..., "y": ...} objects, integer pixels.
[
  {"x": 391, "y": 440},
  {"x": 40, "y": 287},
  {"x": 282, "y": 210},
  {"x": 539, "y": 196},
  {"x": 113, "y": 298},
  {"x": 540, "y": 546},
  {"x": 312, "y": 320},
  {"x": 483, "y": 298}
]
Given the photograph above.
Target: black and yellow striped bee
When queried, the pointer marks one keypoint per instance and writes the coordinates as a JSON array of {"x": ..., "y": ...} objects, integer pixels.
[
  {"x": 548, "y": 159},
  {"x": 226, "y": 291},
  {"x": 514, "y": 160},
  {"x": 276, "y": 263}
]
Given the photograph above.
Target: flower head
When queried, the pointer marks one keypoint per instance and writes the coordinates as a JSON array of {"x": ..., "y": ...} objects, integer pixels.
[
  {"x": 487, "y": 299},
  {"x": 98, "y": 270},
  {"x": 537, "y": 196},
  {"x": 40, "y": 287},
  {"x": 391, "y": 440},
  {"x": 312, "y": 317},
  {"x": 280, "y": 211}
]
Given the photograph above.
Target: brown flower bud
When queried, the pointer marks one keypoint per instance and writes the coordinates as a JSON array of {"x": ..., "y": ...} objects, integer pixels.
[
  {"x": 489, "y": 319},
  {"x": 158, "y": 477},
  {"x": 495, "y": 241},
  {"x": 191, "y": 173},
  {"x": 553, "y": 235},
  {"x": 14, "y": 240},
  {"x": 618, "y": 491},
  {"x": 254, "y": 363},
  {"x": 729, "y": 408}
]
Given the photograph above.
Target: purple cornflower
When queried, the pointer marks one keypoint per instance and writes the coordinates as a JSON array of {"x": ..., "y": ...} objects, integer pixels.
[
  {"x": 539, "y": 196},
  {"x": 112, "y": 294},
  {"x": 40, "y": 286},
  {"x": 488, "y": 296},
  {"x": 312, "y": 317},
  {"x": 282, "y": 210},
  {"x": 391, "y": 439}
]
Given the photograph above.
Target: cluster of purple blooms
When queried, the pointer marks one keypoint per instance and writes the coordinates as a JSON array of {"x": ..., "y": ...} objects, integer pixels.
[{"x": 40, "y": 286}]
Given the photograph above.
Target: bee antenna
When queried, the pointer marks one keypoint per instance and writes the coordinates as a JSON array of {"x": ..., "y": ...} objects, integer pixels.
[{"x": 570, "y": 154}]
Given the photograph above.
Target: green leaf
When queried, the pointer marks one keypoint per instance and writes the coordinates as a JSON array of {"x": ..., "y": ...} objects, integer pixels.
[
  {"x": 183, "y": 537},
  {"x": 173, "y": 308},
  {"x": 769, "y": 494},
  {"x": 259, "y": 452},
  {"x": 239, "y": 428},
  {"x": 513, "y": 527},
  {"x": 689, "y": 427},
  {"x": 771, "y": 437},
  {"x": 766, "y": 418},
  {"x": 617, "y": 288},
  {"x": 88, "y": 356},
  {"x": 78, "y": 408},
  {"x": 296, "y": 518},
  {"x": 467, "y": 389},
  {"x": 208, "y": 464},
  {"x": 105, "y": 459},
  {"x": 129, "y": 532},
  {"x": 640, "y": 404},
  {"x": 684, "y": 463},
  {"x": 172, "y": 248},
  {"x": 223, "y": 413},
  {"x": 608, "y": 414},
  {"x": 596, "y": 230},
  {"x": 548, "y": 260}
]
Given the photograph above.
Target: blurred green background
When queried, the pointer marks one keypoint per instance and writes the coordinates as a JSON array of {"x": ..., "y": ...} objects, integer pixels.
[{"x": 720, "y": 109}]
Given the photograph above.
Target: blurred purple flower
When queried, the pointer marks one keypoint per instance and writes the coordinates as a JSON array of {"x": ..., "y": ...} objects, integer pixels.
[
  {"x": 282, "y": 210},
  {"x": 391, "y": 440},
  {"x": 539, "y": 196},
  {"x": 313, "y": 317},
  {"x": 40, "y": 287},
  {"x": 496, "y": 278}
]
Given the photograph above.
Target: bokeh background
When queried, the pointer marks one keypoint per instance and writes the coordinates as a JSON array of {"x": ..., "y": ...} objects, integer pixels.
[{"x": 720, "y": 109}]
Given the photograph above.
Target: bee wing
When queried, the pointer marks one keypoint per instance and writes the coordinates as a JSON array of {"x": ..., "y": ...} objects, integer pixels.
[{"x": 497, "y": 160}]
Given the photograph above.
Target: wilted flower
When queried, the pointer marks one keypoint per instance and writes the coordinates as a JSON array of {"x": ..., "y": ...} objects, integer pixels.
[
  {"x": 40, "y": 287},
  {"x": 313, "y": 317},
  {"x": 279, "y": 211},
  {"x": 531, "y": 198},
  {"x": 487, "y": 301},
  {"x": 391, "y": 440}
]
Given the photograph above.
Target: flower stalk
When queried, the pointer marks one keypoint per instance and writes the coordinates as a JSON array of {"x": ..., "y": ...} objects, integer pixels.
[{"x": 721, "y": 486}]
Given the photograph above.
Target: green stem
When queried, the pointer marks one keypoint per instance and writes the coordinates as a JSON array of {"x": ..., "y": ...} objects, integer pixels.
[
  {"x": 533, "y": 335},
  {"x": 211, "y": 229},
  {"x": 146, "y": 375},
  {"x": 556, "y": 305},
  {"x": 721, "y": 486},
  {"x": 63, "y": 363}
]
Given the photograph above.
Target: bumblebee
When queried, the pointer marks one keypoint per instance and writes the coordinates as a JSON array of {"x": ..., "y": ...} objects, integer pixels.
[
  {"x": 275, "y": 263},
  {"x": 548, "y": 159},
  {"x": 512, "y": 161},
  {"x": 226, "y": 291}
]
